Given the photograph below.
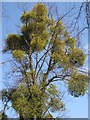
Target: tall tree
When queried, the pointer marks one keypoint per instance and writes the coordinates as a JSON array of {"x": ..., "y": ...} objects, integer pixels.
[{"x": 43, "y": 53}]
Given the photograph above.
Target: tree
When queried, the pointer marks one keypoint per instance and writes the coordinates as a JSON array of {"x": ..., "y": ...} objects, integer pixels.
[{"x": 43, "y": 53}]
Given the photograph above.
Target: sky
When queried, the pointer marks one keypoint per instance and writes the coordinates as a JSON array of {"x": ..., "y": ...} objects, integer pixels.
[{"x": 77, "y": 107}]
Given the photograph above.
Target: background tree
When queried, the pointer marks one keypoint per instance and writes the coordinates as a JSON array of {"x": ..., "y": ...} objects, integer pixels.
[{"x": 44, "y": 52}]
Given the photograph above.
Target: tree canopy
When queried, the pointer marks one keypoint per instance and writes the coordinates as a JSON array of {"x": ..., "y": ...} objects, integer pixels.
[{"x": 45, "y": 52}]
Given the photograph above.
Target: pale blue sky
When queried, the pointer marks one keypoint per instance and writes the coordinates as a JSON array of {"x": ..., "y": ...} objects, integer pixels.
[{"x": 77, "y": 107}]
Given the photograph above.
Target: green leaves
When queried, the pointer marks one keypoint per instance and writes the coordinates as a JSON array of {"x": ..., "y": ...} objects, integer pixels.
[
  {"x": 34, "y": 24},
  {"x": 16, "y": 42},
  {"x": 71, "y": 42},
  {"x": 52, "y": 90},
  {"x": 68, "y": 57},
  {"x": 56, "y": 105},
  {"x": 38, "y": 43},
  {"x": 34, "y": 102},
  {"x": 78, "y": 84},
  {"x": 12, "y": 41},
  {"x": 25, "y": 17},
  {"x": 29, "y": 103},
  {"x": 37, "y": 30},
  {"x": 48, "y": 116},
  {"x": 18, "y": 54},
  {"x": 77, "y": 57},
  {"x": 3, "y": 116},
  {"x": 40, "y": 12}
]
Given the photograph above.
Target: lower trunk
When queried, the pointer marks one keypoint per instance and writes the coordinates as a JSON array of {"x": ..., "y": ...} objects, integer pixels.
[{"x": 21, "y": 118}]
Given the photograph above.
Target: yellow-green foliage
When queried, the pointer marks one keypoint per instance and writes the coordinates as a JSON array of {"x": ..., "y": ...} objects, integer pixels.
[
  {"x": 34, "y": 23},
  {"x": 77, "y": 57},
  {"x": 55, "y": 102},
  {"x": 70, "y": 42},
  {"x": 37, "y": 30},
  {"x": 37, "y": 14},
  {"x": 12, "y": 41},
  {"x": 18, "y": 54},
  {"x": 16, "y": 42},
  {"x": 58, "y": 27},
  {"x": 73, "y": 57},
  {"x": 25, "y": 17},
  {"x": 78, "y": 84},
  {"x": 38, "y": 43},
  {"x": 30, "y": 103},
  {"x": 40, "y": 12}
]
